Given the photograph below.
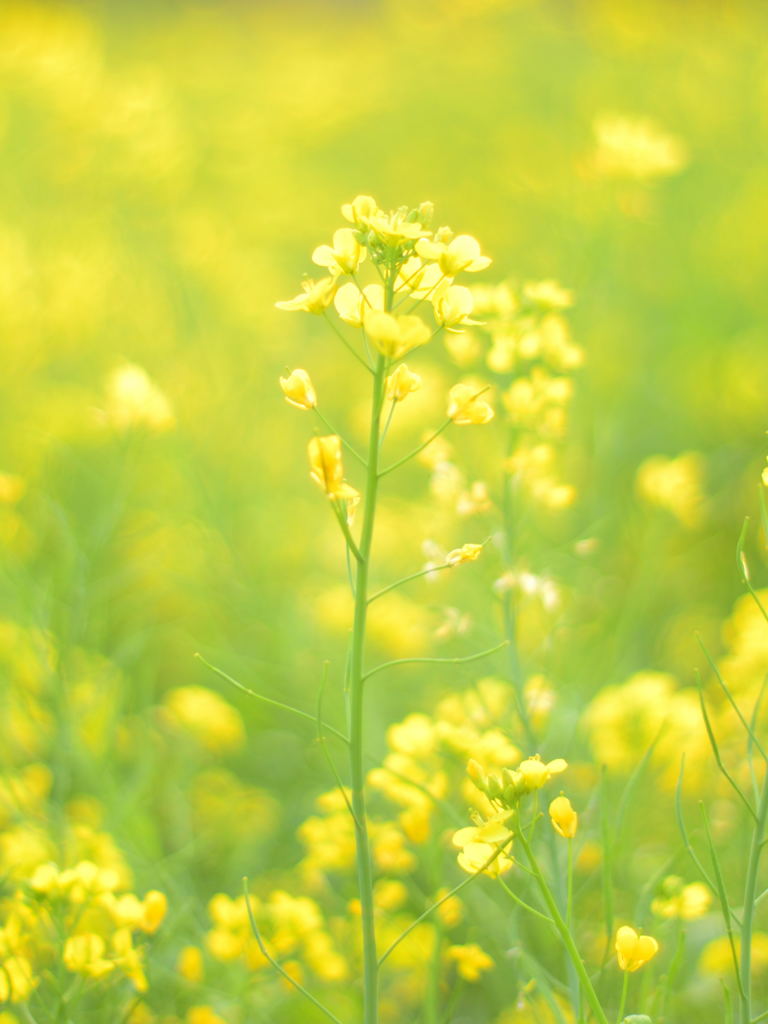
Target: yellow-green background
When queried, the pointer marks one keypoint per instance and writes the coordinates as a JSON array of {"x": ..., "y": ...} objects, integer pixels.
[{"x": 167, "y": 170}]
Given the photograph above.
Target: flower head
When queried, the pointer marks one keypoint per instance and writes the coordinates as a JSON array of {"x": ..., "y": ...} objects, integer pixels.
[
  {"x": 401, "y": 383},
  {"x": 315, "y": 296},
  {"x": 298, "y": 390},
  {"x": 327, "y": 469},
  {"x": 463, "y": 253},
  {"x": 395, "y": 336},
  {"x": 344, "y": 256},
  {"x": 466, "y": 553},
  {"x": 634, "y": 950},
  {"x": 564, "y": 819},
  {"x": 466, "y": 405}
]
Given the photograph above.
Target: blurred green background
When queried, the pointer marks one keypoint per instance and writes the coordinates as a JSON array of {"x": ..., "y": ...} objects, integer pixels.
[{"x": 167, "y": 170}]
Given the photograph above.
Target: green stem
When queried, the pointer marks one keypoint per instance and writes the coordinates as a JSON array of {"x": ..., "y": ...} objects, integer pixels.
[
  {"x": 563, "y": 931},
  {"x": 356, "y": 723},
  {"x": 623, "y": 1003},
  {"x": 750, "y": 892},
  {"x": 357, "y": 678}
]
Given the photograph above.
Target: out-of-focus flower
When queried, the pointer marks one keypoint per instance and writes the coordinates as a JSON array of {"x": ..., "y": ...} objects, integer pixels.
[
  {"x": 401, "y": 383},
  {"x": 462, "y": 253},
  {"x": 205, "y": 715},
  {"x": 298, "y": 390},
  {"x": 466, "y": 405},
  {"x": 327, "y": 468},
  {"x": 674, "y": 484},
  {"x": 633, "y": 950},
  {"x": 344, "y": 256},
  {"x": 315, "y": 297},
  {"x": 453, "y": 305},
  {"x": 677, "y": 900},
  {"x": 471, "y": 961},
  {"x": 133, "y": 400},
  {"x": 466, "y": 553},
  {"x": 636, "y": 148},
  {"x": 548, "y": 294},
  {"x": 564, "y": 819},
  {"x": 395, "y": 336},
  {"x": 351, "y": 303}
]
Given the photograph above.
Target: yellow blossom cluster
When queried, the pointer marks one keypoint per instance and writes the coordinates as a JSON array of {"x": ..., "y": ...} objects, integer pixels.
[
  {"x": 80, "y": 918},
  {"x": 674, "y": 484},
  {"x": 292, "y": 929},
  {"x": 532, "y": 355},
  {"x": 676, "y": 899},
  {"x": 628, "y": 147}
]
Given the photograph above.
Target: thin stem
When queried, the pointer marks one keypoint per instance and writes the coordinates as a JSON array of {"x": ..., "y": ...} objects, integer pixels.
[
  {"x": 345, "y": 343},
  {"x": 352, "y": 451},
  {"x": 623, "y": 1002},
  {"x": 434, "y": 661},
  {"x": 415, "y": 451},
  {"x": 563, "y": 931},
  {"x": 268, "y": 700},
  {"x": 569, "y": 896},
  {"x": 407, "y": 579},
  {"x": 750, "y": 889},
  {"x": 521, "y": 902},
  {"x": 279, "y": 967}
]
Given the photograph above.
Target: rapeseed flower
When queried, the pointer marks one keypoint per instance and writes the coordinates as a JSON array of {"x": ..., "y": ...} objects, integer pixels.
[
  {"x": 460, "y": 254},
  {"x": 564, "y": 819},
  {"x": 466, "y": 405},
  {"x": 401, "y": 383},
  {"x": 315, "y": 296},
  {"x": 395, "y": 336},
  {"x": 634, "y": 950},
  {"x": 298, "y": 390},
  {"x": 344, "y": 256},
  {"x": 327, "y": 468},
  {"x": 471, "y": 961}
]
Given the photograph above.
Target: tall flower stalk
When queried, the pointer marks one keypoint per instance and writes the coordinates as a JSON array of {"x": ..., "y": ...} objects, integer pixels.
[{"x": 415, "y": 266}]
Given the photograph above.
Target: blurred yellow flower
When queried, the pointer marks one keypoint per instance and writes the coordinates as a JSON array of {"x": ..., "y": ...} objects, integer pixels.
[
  {"x": 214, "y": 723},
  {"x": 471, "y": 961},
  {"x": 327, "y": 469},
  {"x": 564, "y": 819},
  {"x": 352, "y": 303},
  {"x": 298, "y": 390},
  {"x": 677, "y": 900},
  {"x": 466, "y": 553},
  {"x": 133, "y": 400},
  {"x": 315, "y": 297},
  {"x": 453, "y": 305},
  {"x": 674, "y": 484},
  {"x": 395, "y": 336},
  {"x": 462, "y": 253},
  {"x": 633, "y": 950},
  {"x": 535, "y": 773},
  {"x": 344, "y": 256},
  {"x": 402, "y": 383},
  {"x": 636, "y": 148},
  {"x": 466, "y": 406},
  {"x": 12, "y": 488}
]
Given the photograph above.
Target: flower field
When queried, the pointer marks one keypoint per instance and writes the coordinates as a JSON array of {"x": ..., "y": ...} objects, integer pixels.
[{"x": 383, "y": 512}]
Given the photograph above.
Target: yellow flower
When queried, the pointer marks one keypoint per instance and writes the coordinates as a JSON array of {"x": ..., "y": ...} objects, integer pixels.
[
  {"x": 535, "y": 773},
  {"x": 549, "y": 294},
  {"x": 154, "y": 909},
  {"x": 344, "y": 256},
  {"x": 394, "y": 336},
  {"x": 466, "y": 406},
  {"x": 402, "y": 383},
  {"x": 315, "y": 296},
  {"x": 205, "y": 715},
  {"x": 133, "y": 400},
  {"x": 634, "y": 950},
  {"x": 298, "y": 389},
  {"x": 478, "y": 843},
  {"x": 351, "y": 303},
  {"x": 327, "y": 468},
  {"x": 687, "y": 902},
  {"x": 190, "y": 964},
  {"x": 453, "y": 305},
  {"x": 564, "y": 819},
  {"x": 360, "y": 210},
  {"x": 470, "y": 961},
  {"x": 461, "y": 254},
  {"x": 466, "y": 553}
]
